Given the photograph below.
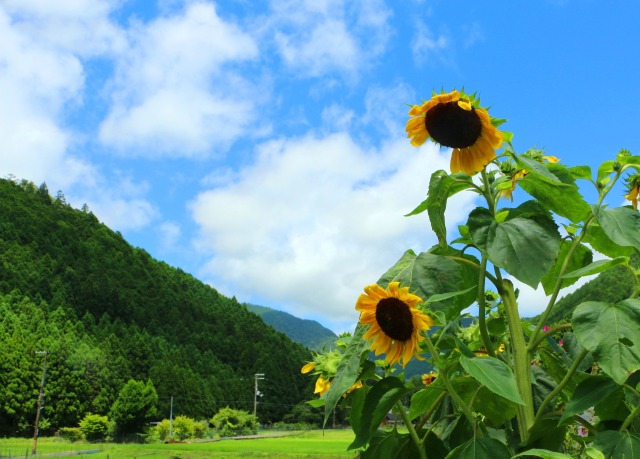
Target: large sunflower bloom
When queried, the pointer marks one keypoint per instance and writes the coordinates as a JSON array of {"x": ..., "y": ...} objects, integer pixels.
[
  {"x": 454, "y": 122},
  {"x": 395, "y": 322}
]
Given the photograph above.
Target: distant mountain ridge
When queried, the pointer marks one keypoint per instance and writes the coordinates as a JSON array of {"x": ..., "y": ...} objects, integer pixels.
[{"x": 307, "y": 332}]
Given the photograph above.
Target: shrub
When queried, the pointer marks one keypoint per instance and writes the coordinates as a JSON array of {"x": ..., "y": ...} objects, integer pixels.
[
  {"x": 94, "y": 427},
  {"x": 182, "y": 427},
  {"x": 70, "y": 433},
  {"x": 229, "y": 422}
]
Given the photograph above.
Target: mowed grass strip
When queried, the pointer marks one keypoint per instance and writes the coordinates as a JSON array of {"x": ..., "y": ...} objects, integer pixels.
[{"x": 332, "y": 444}]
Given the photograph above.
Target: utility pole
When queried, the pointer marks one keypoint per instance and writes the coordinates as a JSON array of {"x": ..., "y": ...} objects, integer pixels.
[
  {"x": 44, "y": 374},
  {"x": 171, "y": 419},
  {"x": 256, "y": 393}
]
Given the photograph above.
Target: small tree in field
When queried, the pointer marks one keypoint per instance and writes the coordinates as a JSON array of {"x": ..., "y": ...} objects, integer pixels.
[
  {"x": 229, "y": 422},
  {"x": 94, "y": 427},
  {"x": 134, "y": 407}
]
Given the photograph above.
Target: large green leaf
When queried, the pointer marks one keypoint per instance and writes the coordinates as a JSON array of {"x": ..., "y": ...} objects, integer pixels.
[
  {"x": 379, "y": 401},
  {"x": 481, "y": 448},
  {"x": 589, "y": 392},
  {"x": 441, "y": 187},
  {"x": 526, "y": 243},
  {"x": 562, "y": 197},
  {"x": 347, "y": 372},
  {"x": 598, "y": 239},
  {"x": 612, "y": 333},
  {"x": 617, "y": 445},
  {"x": 621, "y": 224},
  {"x": 428, "y": 274},
  {"x": 496, "y": 409},
  {"x": 493, "y": 374},
  {"x": 582, "y": 256},
  {"x": 424, "y": 399}
]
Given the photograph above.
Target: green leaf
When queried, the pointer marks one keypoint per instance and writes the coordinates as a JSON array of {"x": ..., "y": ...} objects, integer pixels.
[
  {"x": 428, "y": 274},
  {"x": 424, "y": 399},
  {"x": 605, "y": 169},
  {"x": 536, "y": 168},
  {"x": 495, "y": 408},
  {"x": 600, "y": 242},
  {"x": 379, "y": 401},
  {"x": 493, "y": 374},
  {"x": 588, "y": 393},
  {"x": 629, "y": 160},
  {"x": 445, "y": 296},
  {"x": 526, "y": 244},
  {"x": 481, "y": 448},
  {"x": 543, "y": 454},
  {"x": 441, "y": 187},
  {"x": 621, "y": 224},
  {"x": 612, "y": 333},
  {"x": 582, "y": 256},
  {"x": 561, "y": 197},
  {"x": 347, "y": 372},
  {"x": 557, "y": 369},
  {"x": 617, "y": 445},
  {"x": 592, "y": 453},
  {"x": 580, "y": 172},
  {"x": 596, "y": 267},
  {"x": 383, "y": 445}
]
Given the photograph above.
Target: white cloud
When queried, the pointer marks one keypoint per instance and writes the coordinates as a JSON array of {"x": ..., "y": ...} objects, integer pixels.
[
  {"x": 38, "y": 79},
  {"x": 319, "y": 37},
  {"x": 427, "y": 47},
  {"x": 314, "y": 220},
  {"x": 176, "y": 91}
]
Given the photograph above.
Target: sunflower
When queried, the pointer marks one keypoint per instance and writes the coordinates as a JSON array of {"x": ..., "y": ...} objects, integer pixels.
[
  {"x": 395, "y": 322},
  {"x": 428, "y": 378},
  {"x": 633, "y": 185},
  {"x": 452, "y": 120}
]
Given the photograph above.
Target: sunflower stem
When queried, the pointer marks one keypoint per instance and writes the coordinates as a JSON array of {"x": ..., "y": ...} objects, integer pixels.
[
  {"x": 521, "y": 360},
  {"x": 482, "y": 307},
  {"x": 533, "y": 343},
  {"x": 412, "y": 430},
  {"x": 447, "y": 382},
  {"x": 562, "y": 383}
]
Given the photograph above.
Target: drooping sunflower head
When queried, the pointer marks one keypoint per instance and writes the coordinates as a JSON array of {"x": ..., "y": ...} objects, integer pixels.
[
  {"x": 455, "y": 120},
  {"x": 394, "y": 321}
]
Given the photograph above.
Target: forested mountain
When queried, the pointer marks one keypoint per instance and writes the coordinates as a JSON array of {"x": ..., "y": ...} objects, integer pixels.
[
  {"x": 107, "y": 312},
  {"x": 306, "y": 332}
]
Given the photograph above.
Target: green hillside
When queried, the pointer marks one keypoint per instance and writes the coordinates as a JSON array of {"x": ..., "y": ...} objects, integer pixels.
[
  {"x": 611, "y": 286},
  {"x": 309, "y": 333},
  {"x": 108, "y": 312}
]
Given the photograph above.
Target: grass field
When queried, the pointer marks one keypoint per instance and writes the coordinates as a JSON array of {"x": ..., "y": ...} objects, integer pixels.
[{"x": 332, "y": 444}]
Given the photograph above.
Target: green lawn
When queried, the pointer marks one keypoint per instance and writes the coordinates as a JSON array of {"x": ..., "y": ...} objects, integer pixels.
[{"x": 310, "y": 445}]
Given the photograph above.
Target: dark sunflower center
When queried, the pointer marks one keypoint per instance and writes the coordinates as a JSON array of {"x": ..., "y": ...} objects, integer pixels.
[
  {"x": 395, "y": 319},
  {"x": 452, "y": 126}
]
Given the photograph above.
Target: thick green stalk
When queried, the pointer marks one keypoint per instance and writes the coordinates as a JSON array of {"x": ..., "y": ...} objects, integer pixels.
[
  {"x": 412, "y": 431},
  {"x": 521, "y": 360},
  {"x": 482, "y": 306}
]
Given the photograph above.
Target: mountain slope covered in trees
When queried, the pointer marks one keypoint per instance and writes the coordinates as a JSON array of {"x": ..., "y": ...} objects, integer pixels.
[
  {"x": 108, "y": 312},
  {"x": 306, "y": 332},
  {"x": 611, "y": 286}
]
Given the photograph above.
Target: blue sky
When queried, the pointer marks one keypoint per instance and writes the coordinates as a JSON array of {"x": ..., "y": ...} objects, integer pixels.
[{"x": 259, "y": 145}]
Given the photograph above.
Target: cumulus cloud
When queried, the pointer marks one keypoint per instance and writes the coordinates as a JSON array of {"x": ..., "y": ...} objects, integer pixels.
[
  {"x": 319, "y": 37},
  {"x": 427, "y": 47},
  {"x": 315, "y": 219},
  {"x": 176, "y": 91},
  {"x": 39, "y": 77}
]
